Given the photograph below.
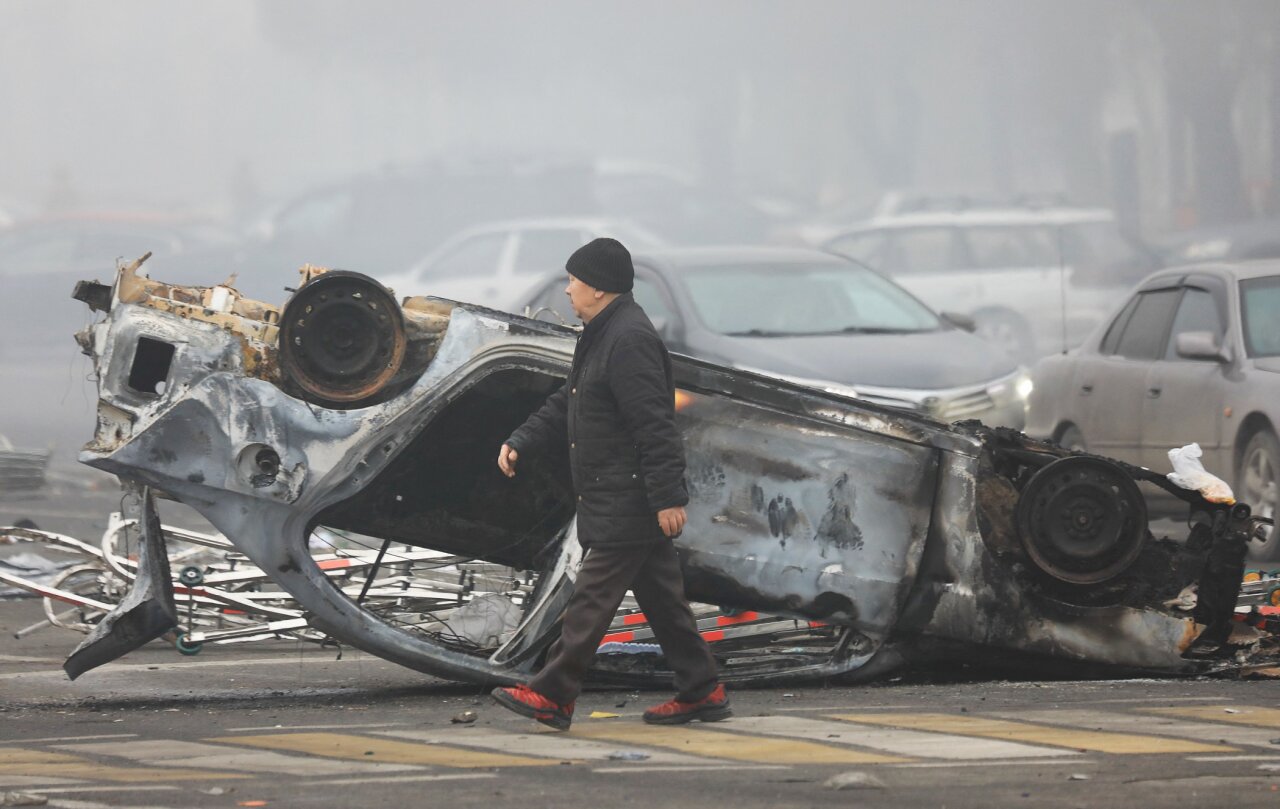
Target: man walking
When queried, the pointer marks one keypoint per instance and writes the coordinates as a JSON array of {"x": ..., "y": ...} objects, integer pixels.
[{"x": 616, "y": 412}]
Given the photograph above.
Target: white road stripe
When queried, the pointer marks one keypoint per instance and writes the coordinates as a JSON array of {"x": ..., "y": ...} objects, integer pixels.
[
  {"x": 1151, "y": 725},
  {"x": 345, "y": 726},
  {"x": 129, "y": 788},
  {"x": 1233, "y": 758},
  {"x": 847, "y": 708},
  {"x": 1074, "y": 762},
  {"x": 402, "y": 779},
  {"x": 542, "y": 745},
  {"x": 198, "y": 756},
  {"x": 1158, "y": 699},
  {"x": 70, "y": 738},
  {"x": 913, "y": 743},
  {"x": 35, "y": 780},
  {"x": 121, "y": 668},
  {"x": 693, "y": 768}
]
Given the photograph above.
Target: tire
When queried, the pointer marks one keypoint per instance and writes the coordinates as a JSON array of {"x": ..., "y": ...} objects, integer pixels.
[
  {"x": 1071, "y": 439},
  {"x": 1007, "y": 330},
  {"x": 1258, "y": 484}
]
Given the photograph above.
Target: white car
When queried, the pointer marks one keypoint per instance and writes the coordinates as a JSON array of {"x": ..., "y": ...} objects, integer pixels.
[
  {"x": 496, "y": 264},
  {"x": 1034, "y": 280}
]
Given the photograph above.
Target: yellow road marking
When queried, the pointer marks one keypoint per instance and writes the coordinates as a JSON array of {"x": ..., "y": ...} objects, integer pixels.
[
  {"x": 1074, "y": 738},
  {"x": 41, "y": 763},
  {"x": 1259, "y": 717},
  {"x": 735, "y": 746},
  {"x": 364, "y": 748}
]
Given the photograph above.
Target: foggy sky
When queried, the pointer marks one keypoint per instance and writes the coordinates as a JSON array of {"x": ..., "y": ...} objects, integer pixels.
[{"x": 148, "y": 103}]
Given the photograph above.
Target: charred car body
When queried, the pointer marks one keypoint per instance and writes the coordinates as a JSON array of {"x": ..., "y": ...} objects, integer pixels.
[{"x": 887, "y": 537}]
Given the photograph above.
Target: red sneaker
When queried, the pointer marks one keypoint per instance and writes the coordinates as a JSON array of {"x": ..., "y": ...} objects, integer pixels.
[
  {"x": 711, "y": 708},
  {"x": 527, "y": 702}
]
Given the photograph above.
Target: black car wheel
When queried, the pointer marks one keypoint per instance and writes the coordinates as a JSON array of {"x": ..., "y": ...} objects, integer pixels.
[{"x": 1258, "y": 484}]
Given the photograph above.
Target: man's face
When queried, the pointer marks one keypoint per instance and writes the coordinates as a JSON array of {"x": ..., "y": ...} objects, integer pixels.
[{"x": 581, "y": 297}]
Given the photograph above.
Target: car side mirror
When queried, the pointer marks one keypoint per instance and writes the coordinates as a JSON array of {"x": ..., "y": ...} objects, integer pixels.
[
  {"x": 1200, "y": 345},
  {"x": 960, "y": 321}
]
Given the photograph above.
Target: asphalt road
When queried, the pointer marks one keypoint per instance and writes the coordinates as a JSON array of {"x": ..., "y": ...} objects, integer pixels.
[
  {"x": 291, "y": 724},
  {"x": 284, "y": 724}
]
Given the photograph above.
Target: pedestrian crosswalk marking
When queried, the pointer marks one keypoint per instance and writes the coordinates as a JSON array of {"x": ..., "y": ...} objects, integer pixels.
[
  {"x": 1155, "y": 725},
  {"x": 891, "y": 740},
  {"x": 28, "y": 762},
  {"x": 560, "y": 746},
  {"x": 736, "y": 746},
  {"x": 368, "y": 748},
  {"x": 193, "y": 755},
  {"x": 1231, "y": 714},
  {"x": 1073, "y": 738}
]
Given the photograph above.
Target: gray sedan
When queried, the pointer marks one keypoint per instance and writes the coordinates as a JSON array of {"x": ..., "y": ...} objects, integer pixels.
[
  {"x": 818, "y": 320},
  {"x": 1192, "y": 355}
]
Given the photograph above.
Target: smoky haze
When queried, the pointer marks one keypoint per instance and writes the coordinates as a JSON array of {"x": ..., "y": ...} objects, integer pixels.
[{"x": 209, "y": 118}]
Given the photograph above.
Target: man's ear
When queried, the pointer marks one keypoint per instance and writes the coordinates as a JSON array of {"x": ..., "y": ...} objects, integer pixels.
[{"x": 598, "y": 293}]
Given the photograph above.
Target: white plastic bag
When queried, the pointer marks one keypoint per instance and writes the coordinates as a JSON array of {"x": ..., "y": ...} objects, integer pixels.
[{"x": 1189, "y": 473}]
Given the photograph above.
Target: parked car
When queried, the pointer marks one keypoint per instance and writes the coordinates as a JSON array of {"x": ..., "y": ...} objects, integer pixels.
[
  {"x": 820, "y": 320},
  {"x": 1035, "y": 280},
  {"x": 1192, "y": 355},
  {"x": 496, "y": 263}
]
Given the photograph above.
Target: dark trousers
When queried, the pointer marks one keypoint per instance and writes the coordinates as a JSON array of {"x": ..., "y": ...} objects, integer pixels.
[{"x": 652, "y": 573}]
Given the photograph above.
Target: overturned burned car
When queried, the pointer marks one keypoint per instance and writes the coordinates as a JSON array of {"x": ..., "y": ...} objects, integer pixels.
[{"x": 879, "y": 537}]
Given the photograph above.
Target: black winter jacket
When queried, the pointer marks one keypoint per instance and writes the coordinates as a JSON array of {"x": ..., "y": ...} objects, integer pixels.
[{"x": 617, "y": 414}]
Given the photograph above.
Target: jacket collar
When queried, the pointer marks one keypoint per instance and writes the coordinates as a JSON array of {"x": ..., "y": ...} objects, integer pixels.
[
  {"x": 598, "y": 322},
  {"x": 592, "y": 331}
]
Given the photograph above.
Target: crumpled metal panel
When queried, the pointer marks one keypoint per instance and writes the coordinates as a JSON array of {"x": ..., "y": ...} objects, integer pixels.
[{"x": 145, "y": 613}]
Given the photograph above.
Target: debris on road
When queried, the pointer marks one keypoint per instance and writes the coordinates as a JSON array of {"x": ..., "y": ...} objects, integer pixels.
[
  {"x": 853, "y": 780},
  {"x": 465, "y": 718},
  {"x": 628, "y": 755}
]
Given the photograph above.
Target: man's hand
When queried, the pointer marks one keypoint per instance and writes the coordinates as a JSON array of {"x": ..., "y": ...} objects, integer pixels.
[
  {"x": 507, "y": 458},
  {"x": 672, "y": 520}
]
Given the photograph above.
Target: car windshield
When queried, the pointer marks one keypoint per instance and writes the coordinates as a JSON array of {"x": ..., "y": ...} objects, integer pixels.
[
  {"x": 777, "y": 300},
  {"x": 1260, "y": 315}
]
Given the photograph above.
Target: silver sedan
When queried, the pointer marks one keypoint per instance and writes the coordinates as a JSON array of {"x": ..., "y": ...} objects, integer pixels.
[{"x": 1193, "y": 354}]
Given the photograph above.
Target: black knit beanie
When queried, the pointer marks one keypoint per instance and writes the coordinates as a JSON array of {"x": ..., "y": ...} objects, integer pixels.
[{"x": 603, "y": 264}]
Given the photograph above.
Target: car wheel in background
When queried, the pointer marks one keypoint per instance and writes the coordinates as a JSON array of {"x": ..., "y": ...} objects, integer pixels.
[
  {"x": 1008, "y": 330},
  {"x": 1258, "y": 484},
  {"x": 1072, "y": 439}
]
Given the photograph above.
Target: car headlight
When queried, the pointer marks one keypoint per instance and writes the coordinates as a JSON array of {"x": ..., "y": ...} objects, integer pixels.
[
  {"x": 1015, "y": 387},
  {"x": 1024, "y": 386}
]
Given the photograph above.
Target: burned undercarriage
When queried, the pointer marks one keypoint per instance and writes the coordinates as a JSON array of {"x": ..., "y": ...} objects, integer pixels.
[{"x": 857, "y": 538}]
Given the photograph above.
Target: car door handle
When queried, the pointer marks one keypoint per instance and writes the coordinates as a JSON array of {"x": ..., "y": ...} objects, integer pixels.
[
  {"x": 1085, "y": 390},
  {"x": 1153, "y": 393}
]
